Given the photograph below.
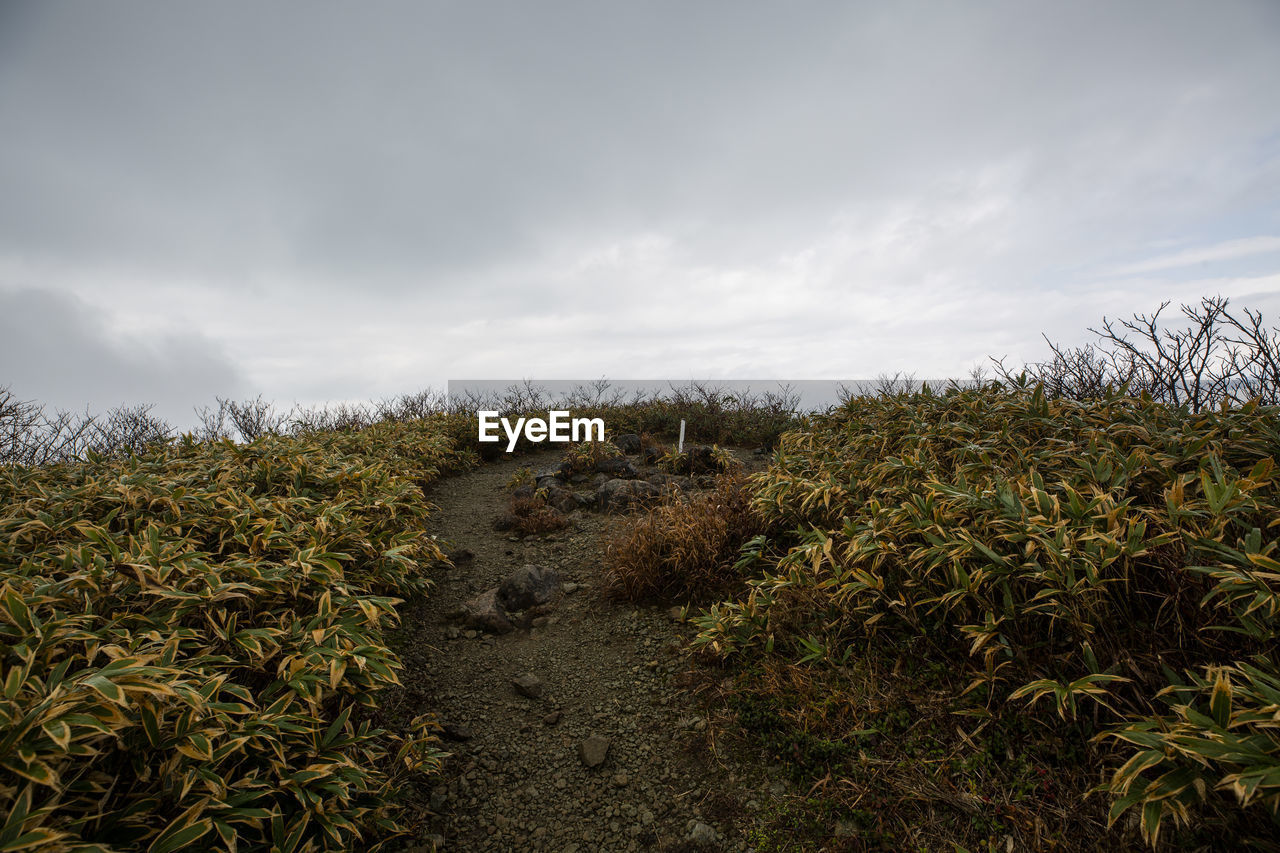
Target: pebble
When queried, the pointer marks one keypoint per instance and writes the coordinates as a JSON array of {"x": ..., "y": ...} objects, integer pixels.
[
  {"x": 528, "y": 685},
  {"x": 702, "y": 834},
  {"x": 593, "y": 750}
]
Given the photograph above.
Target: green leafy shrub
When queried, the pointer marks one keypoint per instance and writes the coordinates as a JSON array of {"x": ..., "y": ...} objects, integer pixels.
[
  {"x": 1090, "y": 561},
  {"x": 193, "y": 644}
]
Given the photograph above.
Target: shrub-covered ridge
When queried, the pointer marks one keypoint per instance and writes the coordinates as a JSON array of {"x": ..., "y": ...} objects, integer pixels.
[
  {"x": 1110, "y": 564},
  {"x": 192, "y": 642}
]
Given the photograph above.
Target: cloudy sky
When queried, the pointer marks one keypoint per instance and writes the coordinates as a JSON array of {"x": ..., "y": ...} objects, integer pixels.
[{"x": 334, "y": 201}]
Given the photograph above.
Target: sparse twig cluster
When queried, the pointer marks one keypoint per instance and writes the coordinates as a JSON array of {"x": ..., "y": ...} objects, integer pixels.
[
  {"x": 31, "y": 435},
  {"x": 1215, "y": 357}
]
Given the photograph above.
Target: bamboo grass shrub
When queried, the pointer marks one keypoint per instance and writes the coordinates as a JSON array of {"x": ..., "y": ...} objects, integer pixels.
[
  {"x": 1108, "y": 562},
  {"x": 192, "y": 642}
]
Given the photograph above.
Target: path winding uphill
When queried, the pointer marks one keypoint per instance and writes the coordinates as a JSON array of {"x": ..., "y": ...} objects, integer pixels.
[{"x": 576, "y": 732}]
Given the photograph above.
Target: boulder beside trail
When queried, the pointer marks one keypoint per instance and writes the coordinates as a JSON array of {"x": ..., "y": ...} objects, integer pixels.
[
  {"x": 528, "y": 586},
  {"x": 621, "y": 495},
  {"x": 618, "y": 466},
  {"x": 560, "y": 497}
]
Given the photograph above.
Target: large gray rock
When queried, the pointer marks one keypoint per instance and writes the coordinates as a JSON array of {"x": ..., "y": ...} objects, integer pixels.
[
  {"x": 629, "y": 444},
  {"x": 528, "y": 586},
  {"x": 622, "y": 495},
  {"x": 484, "y": 613}
]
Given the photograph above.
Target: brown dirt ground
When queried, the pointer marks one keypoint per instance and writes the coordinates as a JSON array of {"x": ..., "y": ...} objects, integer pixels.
[{"x": 609, "y": 669}]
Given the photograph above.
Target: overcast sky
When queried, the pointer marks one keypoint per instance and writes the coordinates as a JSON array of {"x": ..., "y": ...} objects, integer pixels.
[{"x": 333, "y": 201}]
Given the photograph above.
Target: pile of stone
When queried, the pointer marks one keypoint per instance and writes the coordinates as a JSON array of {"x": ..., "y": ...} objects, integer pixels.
[{"x": 616, "y": 483}]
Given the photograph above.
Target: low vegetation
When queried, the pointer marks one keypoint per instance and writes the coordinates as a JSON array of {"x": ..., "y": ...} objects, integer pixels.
[
  {"x": 1035, "y": 613},
  {"x": 686, "y": 547},
  {"x": 193, "y": 626},
  {"x": 531, "y": 515},
  {"x": 993, "y": 616},
  {"x": 1097, "y": 573},
  {"x": 193, "y": 642}
]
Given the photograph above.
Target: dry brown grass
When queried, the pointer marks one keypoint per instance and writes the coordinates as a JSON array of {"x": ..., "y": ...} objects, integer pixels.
[
  {"x": 685, "y": 547},
  {"x": 531, "y": 515}
]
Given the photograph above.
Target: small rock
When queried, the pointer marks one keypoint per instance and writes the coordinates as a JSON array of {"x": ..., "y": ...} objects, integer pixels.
[
  {"x": 676, "y": 614},
  {"x": 618, "y": 467},
  {"x": 561, "y": 498},
  {"x": 568, "y": 587},
  {"x": 457, "y": 556},
  {"x": 485, "y": 612},
  {"x": 702, "y": 834},
  {"x": 552, "y": 718},
  {"x": 593, "y": 750},
  {"x": 551, "y": 473},
  {"x": 528, "y": 685},
  {"x": 453, "y": 731},
  {"x": 621, "y": 780}
]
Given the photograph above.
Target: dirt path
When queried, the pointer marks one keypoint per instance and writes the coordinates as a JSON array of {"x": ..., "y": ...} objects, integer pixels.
[{"x": 516, "y": 780}]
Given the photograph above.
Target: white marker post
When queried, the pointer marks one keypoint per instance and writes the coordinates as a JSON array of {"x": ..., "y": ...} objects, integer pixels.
[{"x": 680, "y": 446}]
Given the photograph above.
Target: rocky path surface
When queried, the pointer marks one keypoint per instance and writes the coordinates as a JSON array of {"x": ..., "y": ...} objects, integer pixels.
[{"x": 578, "y": 732}]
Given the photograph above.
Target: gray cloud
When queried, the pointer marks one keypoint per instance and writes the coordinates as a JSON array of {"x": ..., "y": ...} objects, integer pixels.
[
  {"x": 418, "y": 190},
  {"x": 55, "y": 349}
]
